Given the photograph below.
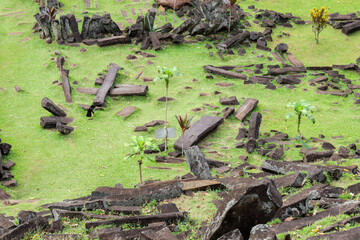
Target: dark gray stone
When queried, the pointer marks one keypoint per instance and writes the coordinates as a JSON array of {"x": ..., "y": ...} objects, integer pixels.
[
  {"x": 233, "y": 235},
  {"x": 19, "y": 232},
  {"x": 328, "y": 146},
  {"x": 355, "y": 188},
  {"x": 95, "y": 28},
  {"x": 312, "y": 156},
  {"x": 254, "y": 126},
  {"x": 6, "y": 223},
  {"x": 262, "y": 232},
  {"x": 25, "y": 216},
  {"x": 56, "y": 226},
  {"x": 297, "y": 205},
  {"x": 243, "y": 132},
  {"x": 5, "y": 149},
  {"x": 282, "y": 167},
  {"x": 109, "y": 26},
  {"x": 4, "y": 195},
  {"x": 348, "y": 207},
  {"x": 293, "y": 180},
  {"x": 250, "y": 145},
  {"x": 52, "y": 108},
  {"x": 138, "y": 196},
  {"x": 167, "y": 208},
  {"x": 281, "y": 48},
  {"x": 276, "y": 153},
  {"x": 229, "y": 101},
  {"x": 245, "y": 207},
  {"x": 85, "y": 27},
  {"x": 197, "y": 163}
]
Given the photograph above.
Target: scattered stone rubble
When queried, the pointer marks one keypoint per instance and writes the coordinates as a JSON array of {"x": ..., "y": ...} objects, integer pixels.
[{"x": 6, "y": 177}]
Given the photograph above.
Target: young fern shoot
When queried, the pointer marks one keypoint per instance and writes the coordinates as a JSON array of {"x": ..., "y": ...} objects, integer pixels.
[{"x": 301, "y": 108}]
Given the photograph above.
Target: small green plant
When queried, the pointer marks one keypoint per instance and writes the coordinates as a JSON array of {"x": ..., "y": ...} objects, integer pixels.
[
  {"x": 138, "y": 145},
  {"x": 185, "y": 125},
  {"x": 300, "y": 108},
  {"x": 274, "y": 221},
  {"x": 151, "y": 28},
  {"x": 302, "y": 142},
  {"x": 230, "y": 4},
  {"x": 51, "y": 12},
  {"x": 166, "y": 74},
  {"x": 319, "y": 20},
  {"x": 347, "y": 196},
  {"x": 150, "y": 207}
]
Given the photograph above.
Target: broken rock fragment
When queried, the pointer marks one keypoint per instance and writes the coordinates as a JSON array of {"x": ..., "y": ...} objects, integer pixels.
[{"x": 245, "y": 207}]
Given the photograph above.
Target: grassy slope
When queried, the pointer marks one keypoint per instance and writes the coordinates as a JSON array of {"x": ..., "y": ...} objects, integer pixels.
[{"x": 51, "y": 167}]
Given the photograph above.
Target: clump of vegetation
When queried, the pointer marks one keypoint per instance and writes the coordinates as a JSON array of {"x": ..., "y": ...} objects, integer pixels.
[
  {"x": 301, "y": 108},
  {"x": 166, "y": 74},
  {"x": 319, "y": 20},
  {"x": 51, "y": 12},
  {"x": 138, "y": 145},
  {"x": 274, "y": 221},
  {"x": 185, "y": 125}
]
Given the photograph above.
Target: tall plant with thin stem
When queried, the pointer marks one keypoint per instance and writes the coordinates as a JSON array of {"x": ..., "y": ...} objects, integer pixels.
[
  {"x": 166, "y": 74},
  {"x": 138, "y": 145},
  {"x": 184, "y": 123},
  {"x": 230, "y": 4},
  {"x": 301, "y": 108}
]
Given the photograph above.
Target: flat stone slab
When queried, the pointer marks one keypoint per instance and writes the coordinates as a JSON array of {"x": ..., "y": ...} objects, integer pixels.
[
  {"x": 312, "y": 156},
  {"x": 350, "y": 234},
  {"x": 355, "y": 189},
  {"x": 198, "y": 131},
  {"x": 60, "y": 236},
  {"x": 6, "y": 223},
  {"x": 129, "y": 90},
  {"x": 314, "y": 172},
  {"x": 201, "y": 185},
  {"x": 229, "y": 101},
  {"x": 346, "y": 208},
  {"x": 154, "y": 123},
  {"x": 4, "y": 195},
  {"x": 124, "y": 209},
  {"x": 126, "y": 111},
  {"x": 224, "y": 84},
  {"x": 293, "y": 180},
  {"x": 138, "y": 196},
  {"x": 246, "y": 108},
  {"x": 164, "y": 99},
  {"x": 118, "y": 233},
  {"x": 336, "y": 226},
  {"x": 224, "y": 73},
  {"x": 142, "y": 219},
  {"x": 38, "y": 223}
]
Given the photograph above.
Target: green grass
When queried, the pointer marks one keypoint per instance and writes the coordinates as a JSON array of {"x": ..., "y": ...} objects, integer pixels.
[
  {"x": 313, "y": 229},
  {"x": 51, "y": 167}
]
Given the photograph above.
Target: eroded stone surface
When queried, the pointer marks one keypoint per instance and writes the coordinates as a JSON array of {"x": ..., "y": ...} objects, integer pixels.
[{"x": 244, "y": 208}]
